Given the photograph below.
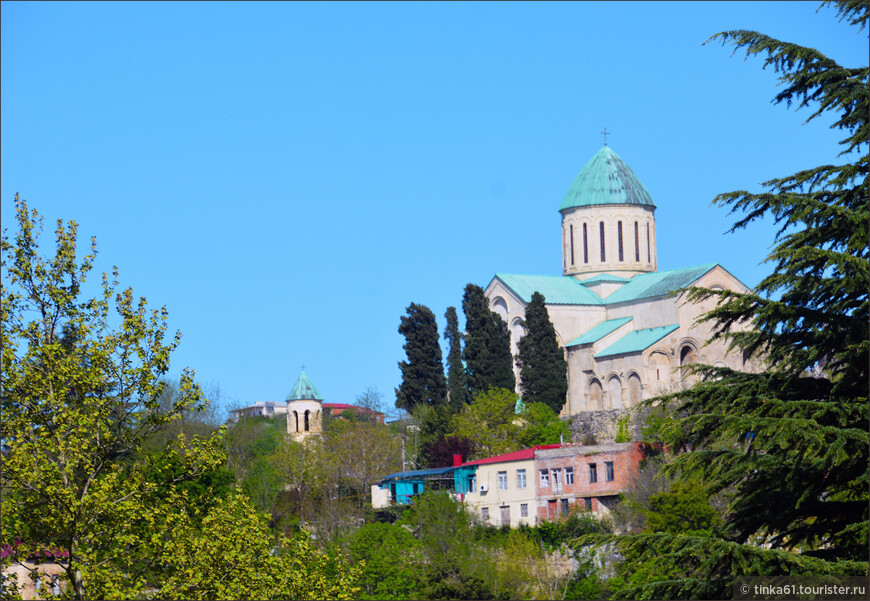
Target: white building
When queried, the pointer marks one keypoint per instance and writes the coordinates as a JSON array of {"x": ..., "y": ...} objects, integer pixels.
[{"x": 624, "y": 333}]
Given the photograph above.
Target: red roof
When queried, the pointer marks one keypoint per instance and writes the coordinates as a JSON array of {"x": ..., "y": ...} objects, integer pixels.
[
  {"x": 346, "y": 406},
  {"x": 515, "y": 456}
]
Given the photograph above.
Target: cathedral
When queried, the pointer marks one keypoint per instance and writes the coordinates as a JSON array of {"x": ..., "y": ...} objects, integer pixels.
[{"x": 625, "y": 330}]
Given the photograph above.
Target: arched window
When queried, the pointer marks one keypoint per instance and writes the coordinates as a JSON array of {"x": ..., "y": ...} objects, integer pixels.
[
  {"x": 306, "y": 419},
  {"x": 601, "y": 236},
  {"x": 636, "y": 244},
  {"x": 595, "y": 395},
  {"x": 614, "y": 391},
  {"x": 648, "y": 256},
  {"x": 688, "y": 355},
  {"x": 661, "y": 371},
  {"x": 571, "y": 228},
  {"x": 619, "y": 239},
  {"x": 585, "y": 246},
  {"x": 633, "y": 390},
  {"x": 296, "y": 418}
]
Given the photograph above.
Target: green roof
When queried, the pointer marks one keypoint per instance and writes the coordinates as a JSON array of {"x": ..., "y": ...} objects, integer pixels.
[
  {"x": 600, "y": 331},
  {"x": 557, "y": 290},
  {"x": 303, "y": 390},
  {"x": 658, "y": 283},
  {"x": 636, "y": 341},
  {"x": 606, "y": 180},
  {"x": 604, "y": 277}
]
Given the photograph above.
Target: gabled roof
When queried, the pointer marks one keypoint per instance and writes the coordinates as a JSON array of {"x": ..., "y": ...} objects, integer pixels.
[
  {"x": 515, "y": 456},
  {"x": 600, "y": 331},
  {"x": 557, "y": 290},
  {"x": 605, "y": 180},
  {"x": 304, "y": 390},
  {"x": 637, "y": 341},
  {"x": 658, "y": 283}
]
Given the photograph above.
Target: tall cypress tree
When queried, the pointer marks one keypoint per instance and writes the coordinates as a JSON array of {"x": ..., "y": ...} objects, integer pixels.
[
  {"x": 543, "y": 369},
  {"x": 423, "y": 379},
  {"x": 456, "y": 382},
  {"x": 487, "y": 352},
  {"x": 788, "y": 447}
]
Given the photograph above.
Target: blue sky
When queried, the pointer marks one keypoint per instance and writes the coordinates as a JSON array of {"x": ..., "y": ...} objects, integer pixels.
[{"x": 287, "y": 178}]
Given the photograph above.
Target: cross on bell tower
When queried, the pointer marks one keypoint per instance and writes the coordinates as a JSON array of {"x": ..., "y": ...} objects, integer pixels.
[{"x": 605, "y": 132}]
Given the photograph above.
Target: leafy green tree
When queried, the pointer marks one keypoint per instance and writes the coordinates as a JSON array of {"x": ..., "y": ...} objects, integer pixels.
[
  {"x": 457, "y": 385},
  {"x": 393, "y": 561},
  {"x": 541, "y": 425},
  {"x": 543, "y": 369},
  {"x": 490, "y": 422},
  {"x": 792, "y": 441},
  {"x": 232, "y": 555},
  {"x": 77, "y": 413},
  {"x": 487, "y": 352},
  {"x": 423, "y": 381},
  {"x": 83, "y": 480}
]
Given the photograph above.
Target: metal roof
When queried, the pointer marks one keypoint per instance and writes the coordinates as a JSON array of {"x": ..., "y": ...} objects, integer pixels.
[
  {"x": 604, "y": 277},
  {"x": 520, "y": 455},
  {"x": 600, "y": 331},
  {"x": 637, "y": 341},
  {"x": 557, "y": 290},
  {"x": 606, "y": 180},
  {"x": 417, "y": 473},
  {"x": 658, "y": 283},
  {"x": 304, "y": 390}
]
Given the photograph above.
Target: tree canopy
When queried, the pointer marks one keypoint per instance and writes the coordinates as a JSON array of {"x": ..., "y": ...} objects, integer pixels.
[
  {"x": 456, "y": 381},
  {"x": 543, "y": 369},
  {"x": 487, "y": 352},
  {"x": 788, "y": 446},
  {"x": 423, "y": 381},
  {"x": 84, "y": 398}
]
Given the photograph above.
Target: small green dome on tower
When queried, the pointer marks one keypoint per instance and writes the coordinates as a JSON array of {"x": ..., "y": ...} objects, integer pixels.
[
  {"x": 606, "y": 180},
  {"x": 303, "y": 390}
]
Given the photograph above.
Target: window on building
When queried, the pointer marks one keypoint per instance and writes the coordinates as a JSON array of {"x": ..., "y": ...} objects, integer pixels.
[
  {"x": 502, "y": 480},
  {"x": 593, "y": 473},
  {"x": 636, "y": 243},
  {"x": 588, "y": 503},
  {"x": 569, "y": 475},
  {"x": 601, "y": 237},
  {"x": 545, "y": 479},
  {"x": 648, "y": 259},
  {"x": 619, "y": 238},
  {"x": 524, "y": 510},
  {"x": 564, "y": 506},
  {"x": 571, "y": 231},
  {"x": 306, "y": 420},
  {"x": 484, "y": 514},
  {"x": 585, "y": 245},
  {"x": 557, "y": 476},
  {"x": 521, "y": 478},
  {"x": 608, "y": 469},
  {"x": 472, "y": 483}
]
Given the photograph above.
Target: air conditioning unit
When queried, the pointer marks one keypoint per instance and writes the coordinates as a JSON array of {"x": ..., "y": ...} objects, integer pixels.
[{"x": 484, "y": 487}]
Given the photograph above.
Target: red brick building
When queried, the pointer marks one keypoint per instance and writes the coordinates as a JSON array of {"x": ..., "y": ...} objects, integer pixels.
[{"x": 574, "y": 477}]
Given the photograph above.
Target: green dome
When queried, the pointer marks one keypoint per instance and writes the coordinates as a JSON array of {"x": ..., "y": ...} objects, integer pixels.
[
  {"x": 303, "y": 390},
  {"x": 606, "y": 180}
]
